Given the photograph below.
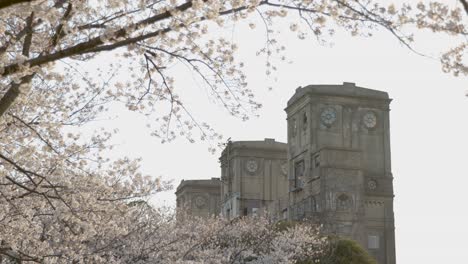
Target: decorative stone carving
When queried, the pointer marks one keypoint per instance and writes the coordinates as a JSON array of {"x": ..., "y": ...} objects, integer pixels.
[
  {"x": 369, "y": 119},
  {"x": 200, "y": 201},
  {"x": 251, "y": 166},
  {"x": 370, "y": 203},
  {"x": 372, "y": 184},
  {"x": 284, "y": 168}
]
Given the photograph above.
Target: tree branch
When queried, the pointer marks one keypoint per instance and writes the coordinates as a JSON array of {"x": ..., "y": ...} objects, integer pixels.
[
  {"x": 465, "y": 5},
  {"x": 13, "y": 92},
  {"x": 92, "y": 44},
  {"x": 37, "y": 133},
  {"x": 7, "y": 3},
  {"x": 10, "y": 96},
  {"x": 58, "y": 31},
  {"x": 29, "y": 32}
]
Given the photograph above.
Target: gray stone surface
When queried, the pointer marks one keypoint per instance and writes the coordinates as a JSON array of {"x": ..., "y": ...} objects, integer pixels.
[
  {"x": 341, "y": 135},
  {"x": 334, "y": 170},
  {"x": 253, "y": 175},
  {"x": 199, "y": 197}
]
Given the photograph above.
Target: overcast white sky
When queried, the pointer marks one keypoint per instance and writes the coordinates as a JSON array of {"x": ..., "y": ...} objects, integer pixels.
[{"x": 429, "y": 129}]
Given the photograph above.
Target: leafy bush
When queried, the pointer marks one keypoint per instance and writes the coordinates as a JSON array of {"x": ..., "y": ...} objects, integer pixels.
[{"x": 346, "y": 251}]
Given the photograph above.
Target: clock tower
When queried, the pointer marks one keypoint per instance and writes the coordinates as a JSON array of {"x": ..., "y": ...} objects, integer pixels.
[{"x": 339, "y": 164}]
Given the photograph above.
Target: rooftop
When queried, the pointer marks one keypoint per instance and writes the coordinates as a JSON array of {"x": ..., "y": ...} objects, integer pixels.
[
  {"x": 213, "y": 182},
  {"x": 347, "y": 89},
  {"x": 267, "y": 143}
]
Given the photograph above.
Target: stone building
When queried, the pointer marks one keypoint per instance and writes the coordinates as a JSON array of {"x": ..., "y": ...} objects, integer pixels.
[
  {"x": 339, "y": 163},
  {"x": 253, "y": 174},
  {"x": 199, "y": 197},
  {"x": 334, "y": 170}
]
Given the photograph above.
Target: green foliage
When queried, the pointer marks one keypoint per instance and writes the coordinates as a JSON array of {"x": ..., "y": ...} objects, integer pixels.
[
  {"x": 346, "y": 251},
  {"x": 339, "y": 251}
]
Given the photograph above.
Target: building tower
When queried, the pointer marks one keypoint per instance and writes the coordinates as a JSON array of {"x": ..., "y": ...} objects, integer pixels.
[
  {"x": 199, "y": 198},
  {"x": 253, "y": 175},
  {"x": 339, "y": 164}
]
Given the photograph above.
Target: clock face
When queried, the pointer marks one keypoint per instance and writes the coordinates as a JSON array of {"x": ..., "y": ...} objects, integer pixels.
[
  {"x": 251, "y": 166},
  {"x": 372, "y": 185},
  {"x": 328, "y": 116},
  {"x": 370, "y": 119}
]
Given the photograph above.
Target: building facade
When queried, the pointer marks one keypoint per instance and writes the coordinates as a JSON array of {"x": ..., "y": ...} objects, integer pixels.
[
  {"x": 339, "y": 164},
  {"x": 199, "y": 197},
  {"x": 334, "y": 170},
  {"x": 253, "y": 175}
]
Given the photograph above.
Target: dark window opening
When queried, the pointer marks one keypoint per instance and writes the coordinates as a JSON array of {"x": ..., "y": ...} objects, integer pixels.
[
  {"x": 344, "y": 202},
  {"x": 317, "y": 161},
  {"x": 304, "y": 121},
  {"x": 299, "y": 174}
]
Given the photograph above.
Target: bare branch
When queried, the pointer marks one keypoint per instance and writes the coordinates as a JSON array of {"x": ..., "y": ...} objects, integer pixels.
[
  {"x": 58, "y": 31},
  {"x": 92, "y": 45},
  {"x": 12, "y": 93},
  {"x": 465, "y": 5},
  {"x": 29, "y": 32},
  {"x": 8, "y": 3}
]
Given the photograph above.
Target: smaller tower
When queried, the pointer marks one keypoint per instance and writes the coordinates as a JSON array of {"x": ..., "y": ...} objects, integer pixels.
[
  {"x": 253, "y": 175},
  {"x": 199, "y": 197}
]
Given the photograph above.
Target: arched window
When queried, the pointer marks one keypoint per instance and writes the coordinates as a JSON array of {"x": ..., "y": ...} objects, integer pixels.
[
  {"x": 313, "y": 206},
  {"x": 299, "y": 174},
  {"x": 343, "y": 203}
]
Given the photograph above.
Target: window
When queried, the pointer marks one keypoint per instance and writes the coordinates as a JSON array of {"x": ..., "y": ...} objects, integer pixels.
[
  {"x": 304, "y": 121},
  {"x": 246, "y": 210},
  {"x": 343, "y": 203},
  {"x": 317, "y": 161},
  {"x": 372, "y": 242},
  {"x": 299, "y": 174},
  {"x": 293, "y": 128},
  {"x": 312, "y": 207},
  {"x": 300, "y": 210}
]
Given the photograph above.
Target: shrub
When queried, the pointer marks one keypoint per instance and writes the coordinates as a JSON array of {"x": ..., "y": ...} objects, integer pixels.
[{"x": 346, "y": 251}]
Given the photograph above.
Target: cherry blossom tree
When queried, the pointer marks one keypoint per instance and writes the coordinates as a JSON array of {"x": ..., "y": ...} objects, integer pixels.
[
  {"x": 61, "y": 199},
  {"x": 153, "y": 237}
]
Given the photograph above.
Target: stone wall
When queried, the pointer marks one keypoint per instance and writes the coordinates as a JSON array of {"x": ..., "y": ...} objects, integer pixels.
[
  {"x": 199, "y": 197},
  {"x": 339, "y": 163},
  {"x": 254, "y": 174}
]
